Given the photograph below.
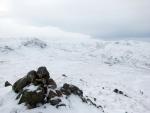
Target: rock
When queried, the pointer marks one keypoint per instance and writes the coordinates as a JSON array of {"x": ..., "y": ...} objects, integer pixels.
[
  {"x": 67, "y": 89},
  {"x": 75, "y": 90},
  {"x": 35, "y": 43},
  {"x": 51, "y": 95},
  {"x": 120, "y": 92},
  {"x": 55, "y": 101},
  {"x": 7, "y": 84},
  {"x": 95, "y": 99},
  {"x": 59, "y": 93},
  {"x": 6, "y": 49},
  {"x": 84, "y": 99},
  {"x": 90, "y": 102},
  {"x": 38, "y": 88},
  {"x": 32, "y": 76},
  {"x": 32, "y": 98},
  {"x": 43, "y": 73},
  {"x": 60, "y": 105},
  {"x": 116, "y": 90},
  {"x": 21, "y": 83},
  {"x": 52, "y": 84},
  {"x": 64, "y": 75}
]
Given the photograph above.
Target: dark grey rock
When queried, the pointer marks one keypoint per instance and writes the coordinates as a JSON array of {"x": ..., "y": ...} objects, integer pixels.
[
  {"x": 55, "y": 101},
  {"x": 60, "y": 105},
  {"x": 7, "y": 84},
  {"x": 43, "y": 73},
  {"x": 35, "y": 43},
  {"x": 51, "y": 95},
  {"x": 51, "y": 84},
  {"x": 68, "y": 89}
]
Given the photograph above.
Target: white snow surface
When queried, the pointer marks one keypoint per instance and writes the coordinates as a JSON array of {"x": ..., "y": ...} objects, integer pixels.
[
  {"x": 95, "y": 66},
  {"x": 31, "y": 87}
]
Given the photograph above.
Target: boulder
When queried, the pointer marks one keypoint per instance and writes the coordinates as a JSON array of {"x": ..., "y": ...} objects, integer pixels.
[
  {"x": 43, "y": 73},
  {"x": 32, "y": 98},
  {"x": 68, "y": 89},
  {"x": 26, "y": 80},
  {"x": 65, "y": 89}
]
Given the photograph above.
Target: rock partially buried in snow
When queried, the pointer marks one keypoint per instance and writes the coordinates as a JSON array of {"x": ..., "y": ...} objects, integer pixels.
[
  {"x": 7, "y": 84},
  {"x": 38, "y": 88},
  {"x": 35, "y": 43},
  {"x": 6, "y": 49}
]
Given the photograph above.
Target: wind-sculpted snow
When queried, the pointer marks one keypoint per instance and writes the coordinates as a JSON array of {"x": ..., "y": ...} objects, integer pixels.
[{"x": 97, "y": 66}]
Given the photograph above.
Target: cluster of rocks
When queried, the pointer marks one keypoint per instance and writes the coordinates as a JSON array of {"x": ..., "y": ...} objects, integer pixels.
[
  {"x": 37, "y": 88},
  {"x": 117, "y": 91}
]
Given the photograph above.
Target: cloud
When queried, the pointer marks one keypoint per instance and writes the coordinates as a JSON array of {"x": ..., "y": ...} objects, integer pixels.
[
  {"x": 98, "y": 18},
  {"x": 12, "y": 29}
]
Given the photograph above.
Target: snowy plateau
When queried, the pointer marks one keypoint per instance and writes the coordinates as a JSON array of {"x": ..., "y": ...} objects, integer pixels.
[{"x": 95, "y": 66}]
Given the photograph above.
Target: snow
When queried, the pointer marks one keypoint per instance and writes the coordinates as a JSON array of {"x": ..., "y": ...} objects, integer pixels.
[
  {"x": 97, "y": 67},
  {"x": 31, "y": 87}
]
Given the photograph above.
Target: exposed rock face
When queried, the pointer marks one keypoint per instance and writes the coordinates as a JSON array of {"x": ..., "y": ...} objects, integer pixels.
[
  {"x": 35, "y": 43},
  {"x": 38, "y": 88}
]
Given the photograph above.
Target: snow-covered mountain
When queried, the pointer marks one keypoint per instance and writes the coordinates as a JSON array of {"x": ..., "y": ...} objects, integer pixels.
[{"x": 97, "y": 67}]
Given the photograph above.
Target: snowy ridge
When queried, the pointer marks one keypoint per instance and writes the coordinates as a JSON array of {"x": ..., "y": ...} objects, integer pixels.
[
  {"x": 96, "y": 66},
  {"x": 108, "y": 52}
]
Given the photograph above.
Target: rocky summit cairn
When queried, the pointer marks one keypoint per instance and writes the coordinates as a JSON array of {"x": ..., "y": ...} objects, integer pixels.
[{"x": 38, "y": 88}]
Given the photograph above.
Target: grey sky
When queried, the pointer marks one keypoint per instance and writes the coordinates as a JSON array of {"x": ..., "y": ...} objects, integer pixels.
[{"x": 98, "y": 18}]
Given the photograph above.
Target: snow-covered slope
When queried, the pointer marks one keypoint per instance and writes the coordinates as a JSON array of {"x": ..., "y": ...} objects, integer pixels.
[{"x": 97, "y": 67}]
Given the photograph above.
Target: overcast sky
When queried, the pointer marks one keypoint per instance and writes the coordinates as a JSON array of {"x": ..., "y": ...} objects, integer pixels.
[{"x": 96, "y": 18}]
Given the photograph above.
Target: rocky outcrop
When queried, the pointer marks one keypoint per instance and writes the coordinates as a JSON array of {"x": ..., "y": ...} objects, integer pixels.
[
  {"x": 35, "y": 42},
  {"x": 37, "y": 88}
]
